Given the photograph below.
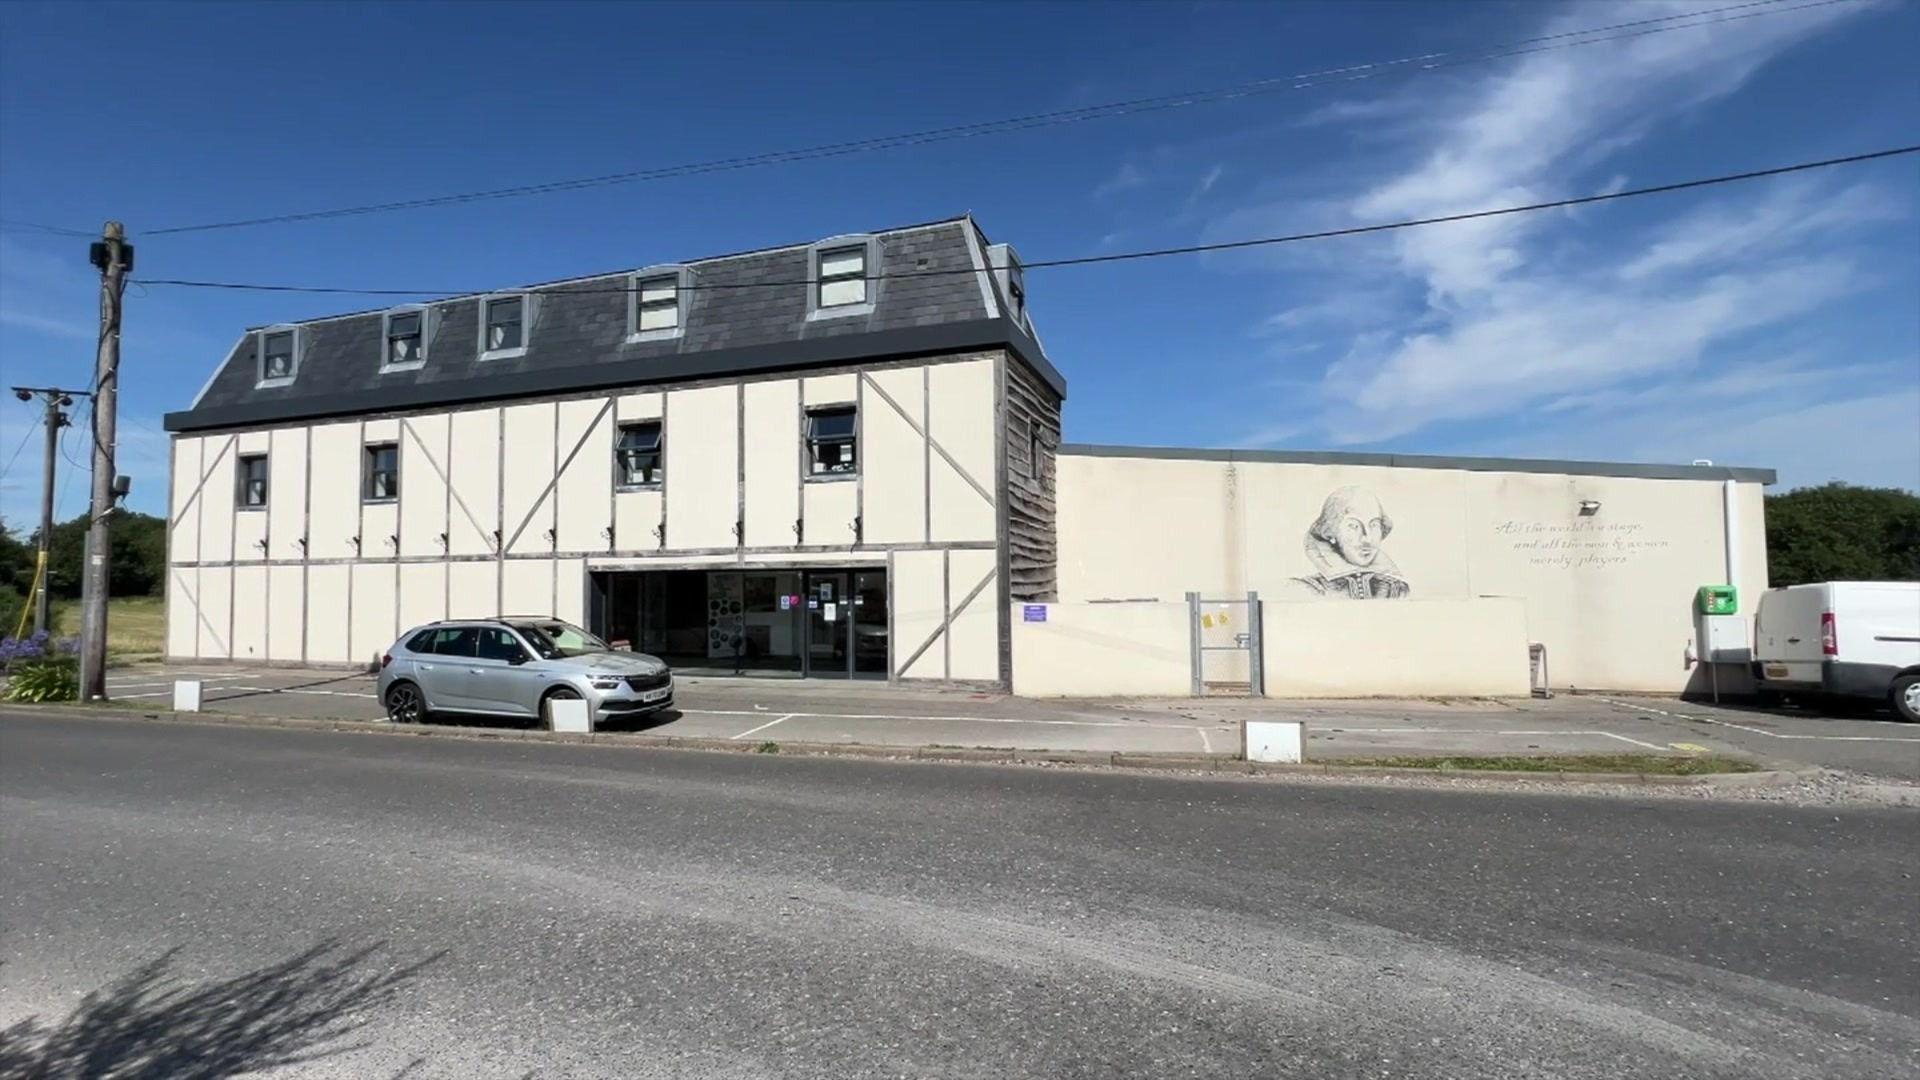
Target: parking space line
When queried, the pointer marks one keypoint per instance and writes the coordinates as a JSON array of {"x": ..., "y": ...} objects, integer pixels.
[
  {"x": 1206, "y": 744},
  {"x": 1636, "y": 742},
  {"x": 111, "y": 685},
  {"x": 765, "y": 726},
  {"x": 973, "y": 719},
  {"x": 234, "y": 693},
  {"x": 1762, "y": 731},
  {"x": 1490, "y": 731}
]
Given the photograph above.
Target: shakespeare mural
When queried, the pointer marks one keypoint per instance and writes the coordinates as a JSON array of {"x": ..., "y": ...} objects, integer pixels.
[{"x": 1343, "y": 547}]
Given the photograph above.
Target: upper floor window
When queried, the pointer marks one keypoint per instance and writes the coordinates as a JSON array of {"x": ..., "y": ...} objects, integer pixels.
[
  {"x": 251, "y": 490},
  {"x": 503, "y": 326},
  {"x": 832, "y": 441},
  {"x": 656, "y": 304},
  {"x": 380, "y": 472},
  {"x": 841, "y": 276},
  {"x": 1012, "y": 280},
  {"x": 637, "y": 455},
  {"x": 406, "y": 339},
  {"x": 279, "y": 355}
]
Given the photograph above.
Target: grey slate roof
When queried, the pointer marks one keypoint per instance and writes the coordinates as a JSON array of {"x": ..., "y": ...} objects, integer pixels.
[{"x": 928, "y": 299}]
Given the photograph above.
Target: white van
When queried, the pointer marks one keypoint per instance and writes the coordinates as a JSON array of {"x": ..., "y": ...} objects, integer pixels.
[{"x": 1851, "y": 639}]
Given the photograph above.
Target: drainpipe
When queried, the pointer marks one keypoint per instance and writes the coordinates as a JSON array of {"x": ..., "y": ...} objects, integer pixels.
[{"x": 1731, "y": 514}]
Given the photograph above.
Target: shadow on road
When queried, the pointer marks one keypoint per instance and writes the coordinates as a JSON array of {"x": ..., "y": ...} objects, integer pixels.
[{"x": 153, "y": 1023}]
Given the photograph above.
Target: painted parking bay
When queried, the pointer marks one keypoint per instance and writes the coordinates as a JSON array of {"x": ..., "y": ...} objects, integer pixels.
[{"x": 748, "y": 710}]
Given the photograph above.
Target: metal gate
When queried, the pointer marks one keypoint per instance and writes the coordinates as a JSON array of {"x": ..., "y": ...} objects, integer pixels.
[{"x": 1226, "y": 652}]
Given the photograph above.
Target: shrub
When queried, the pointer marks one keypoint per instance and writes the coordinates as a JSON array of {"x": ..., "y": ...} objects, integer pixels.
[
  {"x": 20, "y": 650},
  {"x": 36, "y": 646},
  {"x": 55, "y": 679}
]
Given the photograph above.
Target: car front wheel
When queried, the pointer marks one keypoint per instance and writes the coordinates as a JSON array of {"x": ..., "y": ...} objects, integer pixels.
[
  {"x": 405, "y": 705},
  {"x": 563, "y": 693}
]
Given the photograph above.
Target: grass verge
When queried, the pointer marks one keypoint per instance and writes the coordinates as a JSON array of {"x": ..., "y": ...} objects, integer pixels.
[
  {"x": 1645, "y": 764},
  {"x": 136, "y": 625}
]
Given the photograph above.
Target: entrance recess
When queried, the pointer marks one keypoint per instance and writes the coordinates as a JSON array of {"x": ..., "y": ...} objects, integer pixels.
[
  {"x": 827, "y": 623},
  {"x": 846, "y": 627}
]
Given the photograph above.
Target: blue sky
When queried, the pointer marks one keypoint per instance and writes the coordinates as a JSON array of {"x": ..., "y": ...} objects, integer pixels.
[{"x": 1775, "y": 323}]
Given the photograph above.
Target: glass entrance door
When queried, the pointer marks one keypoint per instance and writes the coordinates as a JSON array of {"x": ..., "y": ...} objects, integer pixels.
[
  {"x": 871, "y": 647},
  {"x": 829, "y": 651}
]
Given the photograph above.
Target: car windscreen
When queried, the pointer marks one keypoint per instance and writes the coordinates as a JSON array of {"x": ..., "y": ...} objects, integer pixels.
[{"x": 556, "y": 639}]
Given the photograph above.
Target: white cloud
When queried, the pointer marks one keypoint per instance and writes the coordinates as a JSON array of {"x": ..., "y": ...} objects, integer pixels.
[
  {"x": 1546, "y": 309},
  {"x": 46, "y": 324},
  {"x": 1781, "y": 217},
  {"x": 1532, "y": 340},
  {"x": 1806, "y": 444},
  {"x": 1207, "y": 181},
  {"x": 1127, "y": 177}
]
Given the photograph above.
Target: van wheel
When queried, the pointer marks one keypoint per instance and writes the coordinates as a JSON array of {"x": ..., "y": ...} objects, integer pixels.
[
  {"x": 1906, "y": 698},
  {"x": 561, "y": 693}
]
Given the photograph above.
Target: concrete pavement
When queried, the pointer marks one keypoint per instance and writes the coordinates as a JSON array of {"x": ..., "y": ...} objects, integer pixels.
[
  {"x": 758, "y": 709},
  {"x": 335, "y": 905}
]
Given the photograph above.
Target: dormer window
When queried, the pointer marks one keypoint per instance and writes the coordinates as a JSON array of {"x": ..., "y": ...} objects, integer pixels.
[
  {"x": 279, "y": 356},
  {"x": 842, "y": 277},
  {"x": 659, "y": 304},
  {"x": 1007, "y": 271},
  {"x": 506, "y": 328},
  {"x": 406, "y": 339},
  {"x": 657, "y": 309},
  {"x": 505, "y": 322}
]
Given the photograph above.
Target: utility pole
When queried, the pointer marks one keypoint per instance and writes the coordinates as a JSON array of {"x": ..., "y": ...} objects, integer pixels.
[
  {"x": 56, "y": 400},
  {"x": 113, "y": 257}
]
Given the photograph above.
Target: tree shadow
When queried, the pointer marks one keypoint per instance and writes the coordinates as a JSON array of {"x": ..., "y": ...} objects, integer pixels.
[{"x": 153, "y": 1023}]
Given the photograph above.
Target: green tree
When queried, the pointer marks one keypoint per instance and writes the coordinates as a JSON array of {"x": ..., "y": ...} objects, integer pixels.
[
  {"x": 139, "y": 555},
  {"x": 16, "y": 575},
  {"x": 1838, "y": 532}
]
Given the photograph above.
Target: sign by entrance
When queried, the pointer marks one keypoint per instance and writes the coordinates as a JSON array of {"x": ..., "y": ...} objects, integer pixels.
[
  {"x": 1033, "y": 613},
  {"x": 786, "y": 603}
]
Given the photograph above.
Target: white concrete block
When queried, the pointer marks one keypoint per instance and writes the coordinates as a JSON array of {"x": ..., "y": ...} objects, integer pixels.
[
  {"x": 569, "y": 715},
  {"x": 186, "y": 695},
  {"x": 1274, "y": 740}
]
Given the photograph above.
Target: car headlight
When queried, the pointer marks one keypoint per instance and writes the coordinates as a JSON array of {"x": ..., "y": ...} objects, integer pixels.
[{"x": 604, "y": 683}]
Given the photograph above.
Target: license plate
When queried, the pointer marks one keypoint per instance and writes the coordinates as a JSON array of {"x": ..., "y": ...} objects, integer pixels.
[
  {"x": 655, "y": 695},
  {"x": 1776, "y": 671}
]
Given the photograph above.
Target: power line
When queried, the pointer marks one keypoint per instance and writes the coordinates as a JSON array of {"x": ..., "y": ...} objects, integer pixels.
[
  {"x": 34, "y": 226},
  {"x": 31, "y": 428},
  {"x": 1126, "y": 256},
  {"x": 63, "y": 445},
  {"x": 1425, "y": 62},
  {"x": 66, "y": 479}
]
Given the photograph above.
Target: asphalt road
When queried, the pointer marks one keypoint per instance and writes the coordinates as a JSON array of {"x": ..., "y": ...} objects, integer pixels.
[{"x": 371, "y": 905}]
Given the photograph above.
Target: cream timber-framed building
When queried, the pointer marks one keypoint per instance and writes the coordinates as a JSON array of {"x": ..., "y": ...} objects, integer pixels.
[
  {"x": 833, "y": 459},
  {"x": 843, "y": 459}
]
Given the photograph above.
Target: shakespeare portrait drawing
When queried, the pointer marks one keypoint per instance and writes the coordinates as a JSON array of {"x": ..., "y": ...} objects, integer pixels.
[{"x": 1344, "y": 549}]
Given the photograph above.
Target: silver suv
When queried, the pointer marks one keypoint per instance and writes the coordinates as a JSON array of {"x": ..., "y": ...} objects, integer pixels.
[{"x": 515, "y": 667}]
